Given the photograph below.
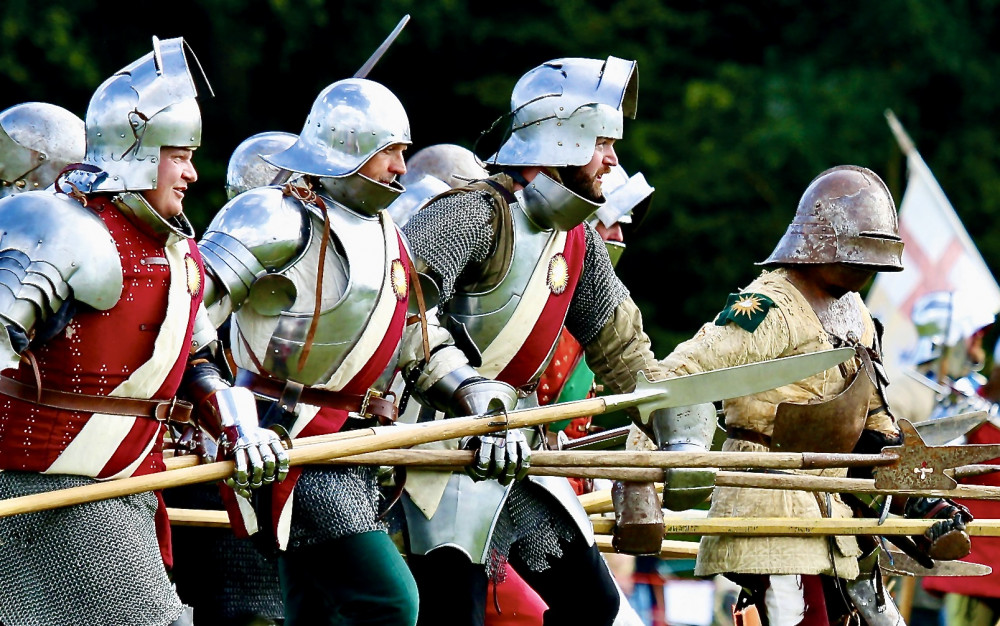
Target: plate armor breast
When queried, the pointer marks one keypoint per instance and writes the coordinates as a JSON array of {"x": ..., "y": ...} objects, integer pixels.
[{"x": 272, "y": 324}]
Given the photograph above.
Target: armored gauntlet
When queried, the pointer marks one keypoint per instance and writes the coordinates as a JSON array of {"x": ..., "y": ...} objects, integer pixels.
[
  {"x": 946, "y": 540},
  {"x": 229, "y": 415},
  {"x": 687, "y": 429}
]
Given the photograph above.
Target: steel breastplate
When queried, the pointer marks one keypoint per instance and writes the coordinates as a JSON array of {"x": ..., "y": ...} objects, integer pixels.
[
  {"x": 833, "y": 425},
  {"x": 281, "y": 305},
  {"x": 484, "y": 314}
]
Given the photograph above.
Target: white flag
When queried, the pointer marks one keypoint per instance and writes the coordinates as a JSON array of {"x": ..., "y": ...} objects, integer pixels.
[{"x": 938, "y": 255}]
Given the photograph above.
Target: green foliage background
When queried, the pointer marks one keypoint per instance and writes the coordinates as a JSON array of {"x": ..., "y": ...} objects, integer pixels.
[{"x": 741, "y": 103}]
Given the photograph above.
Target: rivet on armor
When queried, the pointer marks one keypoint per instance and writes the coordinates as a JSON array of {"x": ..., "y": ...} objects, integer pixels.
[
  {"x": 559, "y": 143},
  {"x": 123, "y": 135},
  {"x": 41, "y": 157},
  {"x": 558, "y": 123},
  {"x": 152, "y": 159}
]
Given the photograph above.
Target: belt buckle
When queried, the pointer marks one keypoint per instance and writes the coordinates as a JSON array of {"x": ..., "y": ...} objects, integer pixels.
[
  {"x": 169, "y": 412},
  {"x": 371, "y": 393}
]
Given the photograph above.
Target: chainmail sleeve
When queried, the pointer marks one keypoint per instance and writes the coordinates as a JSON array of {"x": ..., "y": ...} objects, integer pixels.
[
  {"x": 597, "y": 294},
  {"x": 451, "y": 233}
]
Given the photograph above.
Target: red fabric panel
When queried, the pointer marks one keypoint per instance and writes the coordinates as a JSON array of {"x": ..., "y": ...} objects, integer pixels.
[{"x": 549, "y": 324}]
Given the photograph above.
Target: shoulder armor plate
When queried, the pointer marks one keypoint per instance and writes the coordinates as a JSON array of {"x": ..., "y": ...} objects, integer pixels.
[
  {"x": 258, "y": 231},
  {"x": 51, "y": 249}
]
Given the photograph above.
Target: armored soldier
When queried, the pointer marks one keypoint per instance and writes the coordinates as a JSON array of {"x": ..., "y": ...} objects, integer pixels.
[
  {"x": 431, "y": 171},
  {"x": 943, "y": 365},
  {"x": 224, "y": 577},
  {"x": 102, "y": 324},
  {"x": 318, "y": 277},
  {"x": 844, "y": 231},
  {"x": 514, "y": 263},
  {"x": 37, "y": 140},
  {"x": 975, "y": 601}
]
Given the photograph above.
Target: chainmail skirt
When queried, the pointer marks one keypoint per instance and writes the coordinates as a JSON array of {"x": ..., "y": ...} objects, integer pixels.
[
  {"x": 221, "y": 575},
  {"x": 96, "y": 563},
  {"x": 532, "y": 523},
  {"x": 330, "y": 503}
]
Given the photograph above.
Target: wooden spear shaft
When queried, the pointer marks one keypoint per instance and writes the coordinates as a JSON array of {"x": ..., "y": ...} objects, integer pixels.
[
  {"x": 360, "y": 441},
  {"x": 796, "y": 527},
  {"x": 592, "y": 465},
  {"x": 638, "y": 459}
]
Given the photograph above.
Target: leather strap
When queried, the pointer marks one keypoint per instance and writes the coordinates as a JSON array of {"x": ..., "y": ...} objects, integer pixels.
[
  {"x": 173, "y": 410},
  {"x": 382, "y": 409},
  {"x": 745, "y": 434}
]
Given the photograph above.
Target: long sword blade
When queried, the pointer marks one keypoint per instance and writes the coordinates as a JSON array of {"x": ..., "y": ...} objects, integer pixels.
[
  {"x": 374, "y": 58},
  {"x": 941, "y": 430},
  {"x": 726, "y": 383}
]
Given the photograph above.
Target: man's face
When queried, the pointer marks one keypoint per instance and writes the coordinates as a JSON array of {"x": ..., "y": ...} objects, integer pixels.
[
  {"x": 610, "y": 233},
  {"x": 385, "y": 165},
  {"x": 173, "y": 175},
  {"x": 585, "y": 180}
]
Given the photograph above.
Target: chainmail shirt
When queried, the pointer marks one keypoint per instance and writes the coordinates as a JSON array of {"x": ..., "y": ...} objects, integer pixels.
[
  {"x": 532, "y": 523},
  {"x": 455, "y": 233},
  {"x": 451, "y": 233},
  {"x": 330, "y": 503},
  {"x": 597, "y": 294},
  {"x": 95, "y": 563},
  {"x": 224, "y": 577}
]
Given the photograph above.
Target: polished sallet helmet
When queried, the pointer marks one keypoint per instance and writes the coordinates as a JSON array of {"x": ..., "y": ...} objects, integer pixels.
[
  {"x": 247, "y": 169},
  {"x": 148, "y": 104},
  {"x": 37, "y": 140},
  {"x": 558, "y": 111},
  {"x": 846, "y": 216},
  {"x": 349, "y": 123}
]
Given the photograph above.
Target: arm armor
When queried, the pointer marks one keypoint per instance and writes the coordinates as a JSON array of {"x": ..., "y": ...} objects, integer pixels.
[
  {"x": 218, "y": 406},
  {"x": 258, "y": 231},
  {"x": 51, "y": 250}
]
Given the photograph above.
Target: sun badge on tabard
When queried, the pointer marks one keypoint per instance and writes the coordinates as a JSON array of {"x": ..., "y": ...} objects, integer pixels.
[
  {"x": 746, "y": 310},
  {"x": 193, "y": 275},
  {"x": 558, "y": 276},
  {"x": 397, "y": 276}
]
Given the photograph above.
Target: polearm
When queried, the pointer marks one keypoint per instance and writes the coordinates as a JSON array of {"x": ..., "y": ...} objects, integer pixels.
[
  {"x": 648, "y": 467},
  {"x": 801, "y": 527},
  {"x": 682, "y": 391}
]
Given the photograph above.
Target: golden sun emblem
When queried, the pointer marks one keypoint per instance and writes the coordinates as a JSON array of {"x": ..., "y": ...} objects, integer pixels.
[
  {"x": 747, "y": 305},
  {"x": 397, "y": 276},
  {"x": 193, "y": 275},
  {"x": 558, "y": 276}
]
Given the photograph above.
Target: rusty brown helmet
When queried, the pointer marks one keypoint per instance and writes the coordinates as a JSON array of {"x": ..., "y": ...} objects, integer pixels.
[{"x": 846, "y": 215}]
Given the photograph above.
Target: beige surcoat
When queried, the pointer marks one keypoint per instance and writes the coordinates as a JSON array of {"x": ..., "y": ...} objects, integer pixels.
[{"x": 790, "y": 327}]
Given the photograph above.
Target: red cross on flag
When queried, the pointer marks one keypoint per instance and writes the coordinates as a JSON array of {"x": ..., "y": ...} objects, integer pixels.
[{"x": 938, "y": 256}]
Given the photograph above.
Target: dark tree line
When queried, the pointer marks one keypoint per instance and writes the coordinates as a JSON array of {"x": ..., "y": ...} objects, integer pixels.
[{"x": 741, "y": 104}]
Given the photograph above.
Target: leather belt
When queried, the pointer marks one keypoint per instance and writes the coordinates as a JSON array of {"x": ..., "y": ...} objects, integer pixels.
[
  {"x": 160, "y": 410},
  {"x": 370, "y": 405},
  {"x": 745, "y": 434}
]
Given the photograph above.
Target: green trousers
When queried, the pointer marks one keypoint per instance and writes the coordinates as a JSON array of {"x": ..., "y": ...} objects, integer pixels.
[{"x": 358, "y": 579}]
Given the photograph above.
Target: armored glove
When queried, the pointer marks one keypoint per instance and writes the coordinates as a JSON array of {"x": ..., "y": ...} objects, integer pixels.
[
  {"x": 477, "y": 395},
  {"x": 259, "y": 456},
  {"x": 946, "y": 540},
  {"x": 688, "y": 428},
  {"x": 504, "y": 456}
]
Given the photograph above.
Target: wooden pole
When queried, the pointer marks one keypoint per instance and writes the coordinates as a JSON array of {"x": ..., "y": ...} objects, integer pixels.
[
  {"x": 360, "y": 441},
  {"x": 798, "y": 527},
  {"x": 591, "y": 465},
  {"x": 668, "y": 549}
]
